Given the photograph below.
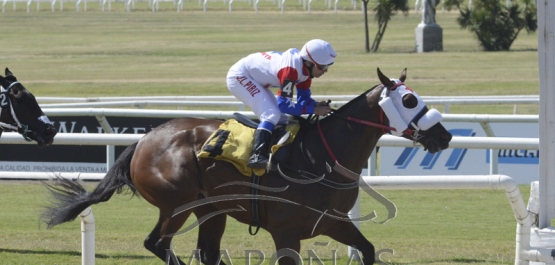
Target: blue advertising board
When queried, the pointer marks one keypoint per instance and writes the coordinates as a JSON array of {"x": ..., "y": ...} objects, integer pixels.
[{"x": 521, "y": 165}]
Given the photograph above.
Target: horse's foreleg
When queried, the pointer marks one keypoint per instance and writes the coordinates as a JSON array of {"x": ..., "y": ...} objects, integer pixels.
[
  {"x": 288, "y": 246},
  {"x": 210, "y": 234},
  {"x": 348, "y": 234}
]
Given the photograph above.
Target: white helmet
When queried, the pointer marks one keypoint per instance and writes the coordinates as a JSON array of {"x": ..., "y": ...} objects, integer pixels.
[{"x": 319, "y": 52}]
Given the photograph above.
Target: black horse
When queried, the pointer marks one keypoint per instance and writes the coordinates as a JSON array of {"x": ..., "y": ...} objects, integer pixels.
[
  {"x": 20, "y": 112},
  {"x": 163, "y": 167}
]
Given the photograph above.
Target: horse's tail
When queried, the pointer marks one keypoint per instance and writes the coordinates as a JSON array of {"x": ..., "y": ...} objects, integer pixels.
[{"x": 69, "y": 198}]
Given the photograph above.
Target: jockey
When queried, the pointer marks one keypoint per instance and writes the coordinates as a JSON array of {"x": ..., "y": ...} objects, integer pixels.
[{"x": 251, "y": 78}]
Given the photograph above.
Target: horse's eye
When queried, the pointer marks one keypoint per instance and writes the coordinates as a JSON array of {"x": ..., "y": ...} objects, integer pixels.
[{"x": 19, "y": 93}]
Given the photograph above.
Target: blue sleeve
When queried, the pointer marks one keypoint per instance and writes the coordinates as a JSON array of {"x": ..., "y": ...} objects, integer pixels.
[
  {"x": 305, "y": 104},
  {"x": 303, "y": 98}
]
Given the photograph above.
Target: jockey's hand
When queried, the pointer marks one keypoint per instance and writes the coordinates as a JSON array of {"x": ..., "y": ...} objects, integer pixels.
[{"x": 322, "y": 110}]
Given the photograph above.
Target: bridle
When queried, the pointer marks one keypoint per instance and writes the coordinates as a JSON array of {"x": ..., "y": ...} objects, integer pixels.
[
  {"x": 412, "y": 133},
  {"x": 6, "y": 102}
]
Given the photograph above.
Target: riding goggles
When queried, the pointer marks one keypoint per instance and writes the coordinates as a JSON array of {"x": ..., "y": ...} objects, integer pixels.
[{"x": 323, "y": 67}]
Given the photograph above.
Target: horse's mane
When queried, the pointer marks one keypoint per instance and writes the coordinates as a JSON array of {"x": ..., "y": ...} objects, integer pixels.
[
  {"x": 352, "y": 101},
  {"x": 306, "y": 123}
]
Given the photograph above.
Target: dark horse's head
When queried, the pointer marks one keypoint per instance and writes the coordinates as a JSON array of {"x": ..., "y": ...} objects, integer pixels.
[
  {"x": 409, "y": 116},
  {"x": 19, "y": 111}
]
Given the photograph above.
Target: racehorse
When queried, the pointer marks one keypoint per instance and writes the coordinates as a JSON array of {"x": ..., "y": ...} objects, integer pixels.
[
  {"x": 163, "y": 168},
  {"x": 20, "y": 112}
]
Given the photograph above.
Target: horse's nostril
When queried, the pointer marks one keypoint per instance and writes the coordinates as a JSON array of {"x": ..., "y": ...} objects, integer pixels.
[{"x": 49, "y": 131}]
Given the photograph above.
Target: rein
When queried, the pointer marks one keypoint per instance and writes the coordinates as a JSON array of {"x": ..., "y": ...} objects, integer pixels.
[
  {"x": 338, "y": 167},
  {"x": 5, "y": 101},
  {"x": 349, "y": 118},
  {"x": 374, "y": 124}
]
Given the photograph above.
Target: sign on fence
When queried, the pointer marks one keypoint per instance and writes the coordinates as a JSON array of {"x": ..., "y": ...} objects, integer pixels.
[
  {"x": 72, "y": 158},
  {"x": 521, "y": 165}
]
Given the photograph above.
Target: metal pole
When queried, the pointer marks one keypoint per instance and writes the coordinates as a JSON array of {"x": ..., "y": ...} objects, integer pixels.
[{"x": 546, "y": 61}]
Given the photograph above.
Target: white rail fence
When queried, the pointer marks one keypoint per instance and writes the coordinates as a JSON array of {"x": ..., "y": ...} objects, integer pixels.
[
  {"x": 53, "y": 3},
  {"x": 154, "y": 5},
  {"x": 484, "y": 120},
  {"x": 128, "y": 139},
  {"x": 231, "y": 102},
  {"x": 385, "y": 141}
]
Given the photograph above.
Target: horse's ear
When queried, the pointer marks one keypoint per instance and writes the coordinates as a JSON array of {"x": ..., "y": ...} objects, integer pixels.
[
  {"x": 384, "y": 79},
  {"x": 3, "y": 81},
  {"x": 8, "y": 73},
  {"x": 403, "y": 75}
]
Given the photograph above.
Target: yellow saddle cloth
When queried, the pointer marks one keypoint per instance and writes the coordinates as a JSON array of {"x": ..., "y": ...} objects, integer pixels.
[{"x": 233, "y": 141}]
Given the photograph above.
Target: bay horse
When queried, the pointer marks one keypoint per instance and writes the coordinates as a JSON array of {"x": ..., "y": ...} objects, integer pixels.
[
  {"x": 164, "y": 169},
  {"x": 20, "y": 112}
]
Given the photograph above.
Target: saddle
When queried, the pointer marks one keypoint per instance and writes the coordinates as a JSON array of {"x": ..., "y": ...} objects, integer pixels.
[{"x": 233, "y": 142}]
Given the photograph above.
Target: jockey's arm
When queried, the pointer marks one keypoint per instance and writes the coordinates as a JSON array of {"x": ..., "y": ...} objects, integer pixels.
[{"x": 305, "y": 104}]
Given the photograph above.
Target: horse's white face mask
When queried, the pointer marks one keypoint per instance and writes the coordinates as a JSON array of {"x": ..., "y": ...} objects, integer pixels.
[{"x": 403, "y": 111}]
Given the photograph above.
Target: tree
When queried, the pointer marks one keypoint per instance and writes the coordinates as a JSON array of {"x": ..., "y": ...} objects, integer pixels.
[
  {"x": 367, "y": 38},
  {"x": 384, "y": 10},
  {"x": 496, "y": 26}
]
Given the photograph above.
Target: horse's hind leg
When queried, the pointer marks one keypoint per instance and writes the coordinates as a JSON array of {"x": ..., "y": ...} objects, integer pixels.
[
  {"x": 210, "y": 234},
  {"x": 154, "y": 236},
  {"x": 161, "y": 245}
]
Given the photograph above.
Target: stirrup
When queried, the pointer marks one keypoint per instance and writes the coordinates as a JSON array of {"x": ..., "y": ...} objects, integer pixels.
[
  {"x": 258, "y": 161},
  {"x": 258, "y": 164}
]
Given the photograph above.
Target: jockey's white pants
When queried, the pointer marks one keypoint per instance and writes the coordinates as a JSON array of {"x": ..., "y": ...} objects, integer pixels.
[{"x": 259, "y": 99}]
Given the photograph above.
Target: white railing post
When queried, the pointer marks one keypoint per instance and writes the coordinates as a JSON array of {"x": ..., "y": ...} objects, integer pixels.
[{"x": 87, "y": 237}]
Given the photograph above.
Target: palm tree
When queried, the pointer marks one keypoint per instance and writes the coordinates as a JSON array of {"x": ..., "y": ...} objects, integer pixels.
[
  {"x": 384, "y": 10},
  {"x": 367, "y": 38}
]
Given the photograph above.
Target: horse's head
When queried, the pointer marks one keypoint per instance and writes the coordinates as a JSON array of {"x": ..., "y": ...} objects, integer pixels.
[
  {"x": 19, "y": 111},
  {"x": 410, "y": 117}
]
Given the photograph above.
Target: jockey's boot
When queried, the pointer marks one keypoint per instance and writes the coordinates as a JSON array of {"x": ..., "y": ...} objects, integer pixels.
[{"x": 259, "y": 157}]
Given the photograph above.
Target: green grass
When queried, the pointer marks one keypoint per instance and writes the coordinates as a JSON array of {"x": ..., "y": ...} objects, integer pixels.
[
  {"x": 431, "y": 227},
  {"x": 90, "y": 54}
]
